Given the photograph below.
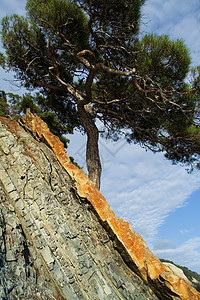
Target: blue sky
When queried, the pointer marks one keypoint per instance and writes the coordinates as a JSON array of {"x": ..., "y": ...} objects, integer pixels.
[{"x": 160, "y": 200}]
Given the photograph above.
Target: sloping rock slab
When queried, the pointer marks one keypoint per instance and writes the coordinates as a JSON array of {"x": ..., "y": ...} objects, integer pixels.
[{"x": 70, "y": 238}]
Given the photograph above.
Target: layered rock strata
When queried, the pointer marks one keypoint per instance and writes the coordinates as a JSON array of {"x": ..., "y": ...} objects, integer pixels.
[{"x": 59, "y": 237}]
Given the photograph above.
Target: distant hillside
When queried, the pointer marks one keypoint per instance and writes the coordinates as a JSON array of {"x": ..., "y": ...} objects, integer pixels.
[{"x": 193, "y": 277}]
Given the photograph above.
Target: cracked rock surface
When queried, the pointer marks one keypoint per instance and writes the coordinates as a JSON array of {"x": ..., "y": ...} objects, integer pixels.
[
  {"x": 58, "y": 237},
  {"x": 52, "y": 245}
]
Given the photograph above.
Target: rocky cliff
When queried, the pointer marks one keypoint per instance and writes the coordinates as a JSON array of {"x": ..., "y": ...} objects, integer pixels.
[{"x": 59, "y": 238}]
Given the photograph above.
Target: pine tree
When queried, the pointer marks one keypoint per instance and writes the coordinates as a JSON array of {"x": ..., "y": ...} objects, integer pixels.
[{"x": 87, "y": 60}]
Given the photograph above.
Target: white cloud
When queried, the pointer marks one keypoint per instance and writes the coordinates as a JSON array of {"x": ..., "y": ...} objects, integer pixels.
[
  {"x": 184, "y": 231},
  {"x": 141, "y": 187},
  {"x": 145, "y": 188},
  {"x": 187, "y": 254}
]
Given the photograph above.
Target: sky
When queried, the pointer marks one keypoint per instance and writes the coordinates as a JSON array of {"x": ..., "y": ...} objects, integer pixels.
[{"x": 160, "y": 200}]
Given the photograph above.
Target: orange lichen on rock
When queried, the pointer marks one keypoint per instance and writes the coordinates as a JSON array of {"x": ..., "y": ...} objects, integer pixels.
[
  {"x": 11, "y": 125},
  {"x": 149, "y": 266},
  {"x": 97, "y": 200}
]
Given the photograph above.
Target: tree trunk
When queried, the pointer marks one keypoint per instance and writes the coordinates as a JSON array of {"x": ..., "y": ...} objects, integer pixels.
[{"x": 92, "y": 151}]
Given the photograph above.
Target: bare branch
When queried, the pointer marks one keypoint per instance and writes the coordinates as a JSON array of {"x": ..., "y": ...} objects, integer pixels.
[
  {"x": 30, "y": 63},
  {"x": 98, "y": 100},
  {"x": 114, "y": 71},
  {"x": 87, "y": 64},
  {"x": 83, "y": 52}
]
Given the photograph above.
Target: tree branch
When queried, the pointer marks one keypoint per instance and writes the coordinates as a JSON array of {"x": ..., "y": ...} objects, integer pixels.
[
  {"x": 114, "y": 71},
  {"x": 78, "y": 96},
  {"x": 30, "y": 63}
]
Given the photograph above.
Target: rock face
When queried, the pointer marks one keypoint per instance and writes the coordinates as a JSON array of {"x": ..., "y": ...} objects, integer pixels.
[
  {"x": 177, "y": 271},
  {"x": 59, "y": 238}
]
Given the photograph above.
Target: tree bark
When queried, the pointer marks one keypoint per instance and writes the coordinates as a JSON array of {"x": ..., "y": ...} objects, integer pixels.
[{"x": 92, "y": 150}]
